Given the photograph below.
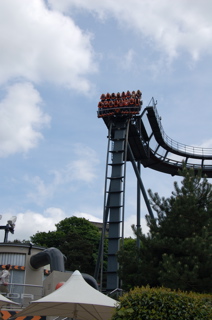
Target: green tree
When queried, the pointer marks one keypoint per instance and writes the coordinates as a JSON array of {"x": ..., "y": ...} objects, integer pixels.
[
  {"x": 177, "y": 252},
  {"x": 138, "y": 266},
  {"x": 182, "y": 234},
  {"x": 77, "y": 238}
]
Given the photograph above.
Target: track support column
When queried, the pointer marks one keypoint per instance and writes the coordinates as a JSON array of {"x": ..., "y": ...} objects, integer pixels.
[{"x": 115, "y": 195}]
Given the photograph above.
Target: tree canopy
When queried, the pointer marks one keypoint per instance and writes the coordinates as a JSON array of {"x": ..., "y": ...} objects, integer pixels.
[
  {"x": 177, "y": 252},
  {"x": 77, "y": 238}
]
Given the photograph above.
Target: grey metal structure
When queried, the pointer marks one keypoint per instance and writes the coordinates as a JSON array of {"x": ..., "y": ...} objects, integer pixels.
[
  {"x": 139, "y": 139},
  {"x": 114, "y": 191}
]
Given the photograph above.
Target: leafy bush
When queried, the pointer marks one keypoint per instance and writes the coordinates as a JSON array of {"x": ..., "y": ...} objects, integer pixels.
[{"x": 163, "y": 304}]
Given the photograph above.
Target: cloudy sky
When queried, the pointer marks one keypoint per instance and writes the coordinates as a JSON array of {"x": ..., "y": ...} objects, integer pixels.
[{"x": 56, "y": 59}]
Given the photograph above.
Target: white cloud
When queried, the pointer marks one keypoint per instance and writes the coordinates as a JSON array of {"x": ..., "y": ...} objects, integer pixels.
[
  {"x": 84, "y": 167},
  {"x": 87, "y": 216},
  {"x": 20, "y": 119},
  {"x": 129, "y": 221},
  {"x": 29, "y": 222},
  {"x": 127, "y": 60},
  {"x": 80, "y": 170},
  {"x": 184, "y": 26},
  {"x": 38, "y": 44},
  {"x": 42, "y": 191}
]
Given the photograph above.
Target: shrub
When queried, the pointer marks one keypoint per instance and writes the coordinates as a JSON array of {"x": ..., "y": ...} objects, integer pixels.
[{"x": 163, "y": 304}]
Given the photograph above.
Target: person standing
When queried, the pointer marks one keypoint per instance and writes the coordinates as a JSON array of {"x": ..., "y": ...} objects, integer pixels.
[{"x": 4, "y": 279}]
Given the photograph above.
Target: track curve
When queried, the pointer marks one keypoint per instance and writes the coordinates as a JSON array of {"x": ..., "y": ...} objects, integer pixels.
[{"x": 154, "y": 149}]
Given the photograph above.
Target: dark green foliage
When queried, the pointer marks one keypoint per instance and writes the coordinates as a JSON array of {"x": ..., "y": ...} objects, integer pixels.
[
  {"x": 177, "y": 252},
  {"x": 137, "y": 266},
  {"x": 163, "y": 304},
  {"x": 182, "y": 235},
  {"x": 77, "y": 238}
]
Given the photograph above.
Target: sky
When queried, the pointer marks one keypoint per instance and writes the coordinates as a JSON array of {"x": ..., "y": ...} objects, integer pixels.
[{"x": 56, "y": 59}]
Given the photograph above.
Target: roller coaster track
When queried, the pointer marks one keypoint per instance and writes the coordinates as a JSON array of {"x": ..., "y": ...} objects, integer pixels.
[
  {"x": 139, "y": 139},
  {"x": 152, "y": 147}
]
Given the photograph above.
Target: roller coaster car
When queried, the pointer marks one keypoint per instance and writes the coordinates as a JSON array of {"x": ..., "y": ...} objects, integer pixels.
[{"x": 119, "y": 104}]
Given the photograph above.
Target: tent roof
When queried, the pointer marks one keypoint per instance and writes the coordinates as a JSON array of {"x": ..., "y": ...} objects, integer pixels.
[
  {"x": 75, "y": 297},
  {"x": 4, "y": 301}
]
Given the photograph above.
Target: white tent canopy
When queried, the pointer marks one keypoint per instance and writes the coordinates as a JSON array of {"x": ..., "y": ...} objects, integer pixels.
[
  {"x": 4, "y": 301},
  {"x": 75, "y": 299}
]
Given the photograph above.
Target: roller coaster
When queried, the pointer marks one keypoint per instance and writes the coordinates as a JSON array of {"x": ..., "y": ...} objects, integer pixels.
[{"x": 137, "y": 137}]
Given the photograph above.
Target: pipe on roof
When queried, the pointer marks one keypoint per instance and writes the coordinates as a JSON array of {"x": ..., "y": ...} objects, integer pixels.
[
  {"x": 55, "y": 258},
  {"x": 52, "y": 256}
]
